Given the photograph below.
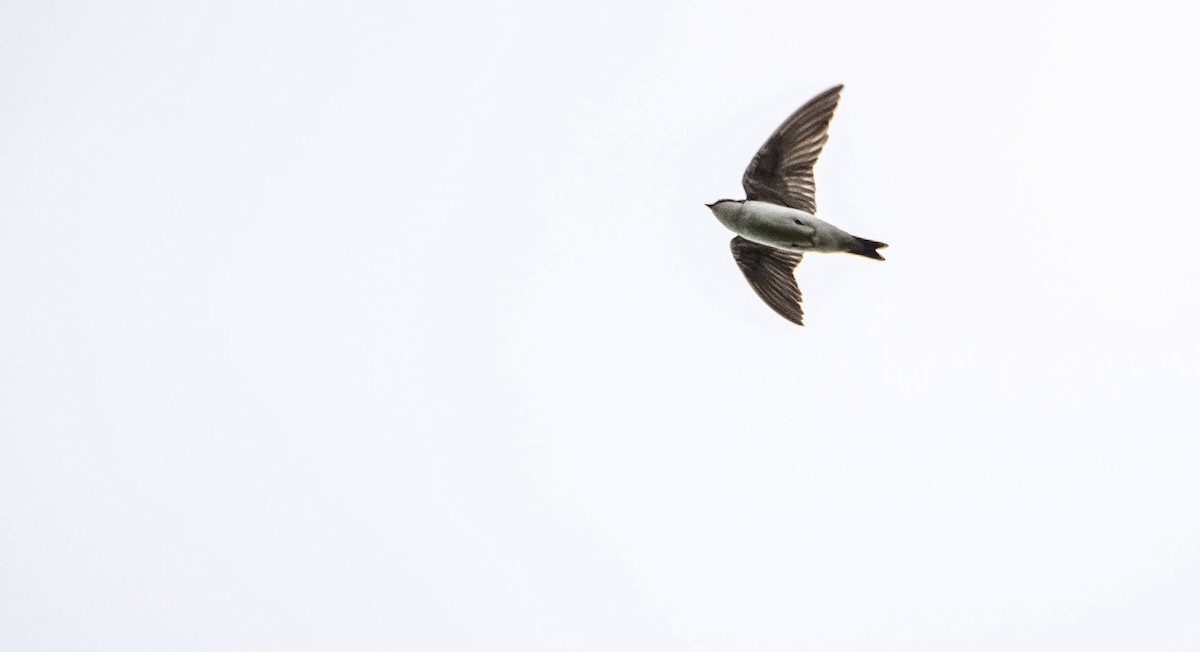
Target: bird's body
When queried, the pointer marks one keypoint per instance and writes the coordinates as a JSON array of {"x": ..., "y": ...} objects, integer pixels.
[
  {"x": 776, "y": 223},
  {"x": 782, "y": 227}
]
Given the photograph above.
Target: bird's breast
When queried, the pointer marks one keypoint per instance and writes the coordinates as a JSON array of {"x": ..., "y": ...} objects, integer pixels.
[{"x": 777, "y": 226}]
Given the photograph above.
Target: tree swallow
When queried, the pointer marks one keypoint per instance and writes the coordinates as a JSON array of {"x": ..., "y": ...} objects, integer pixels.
[{"x": 775, "y": 222}]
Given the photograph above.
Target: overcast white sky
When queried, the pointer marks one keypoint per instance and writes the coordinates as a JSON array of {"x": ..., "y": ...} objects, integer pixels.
[{"x": 379, "y": 326}]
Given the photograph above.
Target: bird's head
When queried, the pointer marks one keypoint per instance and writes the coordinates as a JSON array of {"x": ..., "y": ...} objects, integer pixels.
[{"x": 726, "y": 210}]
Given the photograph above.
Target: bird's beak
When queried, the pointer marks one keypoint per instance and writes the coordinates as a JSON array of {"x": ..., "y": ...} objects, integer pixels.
[{"x": 711, "y": 205}]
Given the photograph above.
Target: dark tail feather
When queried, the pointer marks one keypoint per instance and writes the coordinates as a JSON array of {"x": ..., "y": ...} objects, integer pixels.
[{"x": 865, "y": 247}]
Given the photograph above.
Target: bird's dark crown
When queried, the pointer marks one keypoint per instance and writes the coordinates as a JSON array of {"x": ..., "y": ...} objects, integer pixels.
[{"x": 722, "y": 201}]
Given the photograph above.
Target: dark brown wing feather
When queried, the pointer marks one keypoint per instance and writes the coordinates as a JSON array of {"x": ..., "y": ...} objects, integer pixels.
[
  {"x": 772, "y": 274},
  {"x": 782, "y": 170}
]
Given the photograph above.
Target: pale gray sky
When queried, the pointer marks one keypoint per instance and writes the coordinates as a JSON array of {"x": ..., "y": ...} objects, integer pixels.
[{"x": 379, "y": 326}]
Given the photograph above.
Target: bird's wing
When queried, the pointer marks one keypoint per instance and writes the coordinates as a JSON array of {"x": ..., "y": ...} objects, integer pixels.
[
  {"x": 782, "y": 170},
  {"x": 772, "y": 274}
]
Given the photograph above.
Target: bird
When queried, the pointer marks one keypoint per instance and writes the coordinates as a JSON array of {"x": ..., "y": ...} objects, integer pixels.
[{"x": 776, "y": 223}]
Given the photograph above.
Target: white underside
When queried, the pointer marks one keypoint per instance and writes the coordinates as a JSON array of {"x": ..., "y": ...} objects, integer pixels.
[{"x": 781, "y": 227}]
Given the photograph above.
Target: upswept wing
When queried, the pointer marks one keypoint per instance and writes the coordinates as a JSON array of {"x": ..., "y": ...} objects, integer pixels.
[
  {"x": 782, "y": 170},
  {"x": 772, "y": 274}
]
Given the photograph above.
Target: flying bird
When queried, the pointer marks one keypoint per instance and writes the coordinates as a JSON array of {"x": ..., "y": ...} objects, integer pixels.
[{"x": 775, "y": 224}]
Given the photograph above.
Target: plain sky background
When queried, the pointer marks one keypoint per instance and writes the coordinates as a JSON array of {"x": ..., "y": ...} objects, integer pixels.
[{"x": 403, "y": 326}]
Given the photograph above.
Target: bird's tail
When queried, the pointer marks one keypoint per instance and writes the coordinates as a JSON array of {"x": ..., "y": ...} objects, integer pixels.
[{"x": 865, "y": 247}]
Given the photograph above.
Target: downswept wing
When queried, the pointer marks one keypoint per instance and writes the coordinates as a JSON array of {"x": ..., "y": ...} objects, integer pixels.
[
  {"x": 782, "y": 170},
  {"x": 772, "y": 274}
]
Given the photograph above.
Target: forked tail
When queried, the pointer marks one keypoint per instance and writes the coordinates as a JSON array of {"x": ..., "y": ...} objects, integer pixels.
[{"x": 865, "y": 247}]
